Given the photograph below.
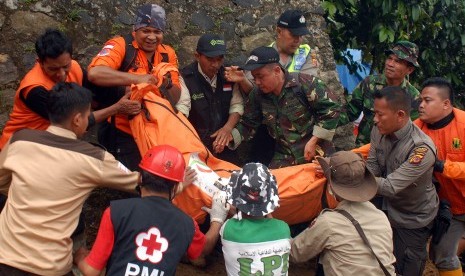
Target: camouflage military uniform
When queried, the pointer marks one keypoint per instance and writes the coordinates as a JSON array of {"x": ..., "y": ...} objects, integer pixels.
[
  {"x": 363, "y": 98},
  {"x": 290, "y": 120}
]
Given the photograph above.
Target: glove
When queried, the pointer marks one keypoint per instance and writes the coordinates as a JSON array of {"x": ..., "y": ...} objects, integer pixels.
[
  {"x": 442, "y": 221},
  {"x": 439, "y": 166},
  {"x": 220, "y": 208}
]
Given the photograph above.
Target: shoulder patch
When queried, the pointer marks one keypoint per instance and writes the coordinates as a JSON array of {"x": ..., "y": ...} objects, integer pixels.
[
  {"x": 456, "y": 143},
  {"x": 417, "y": 156}
]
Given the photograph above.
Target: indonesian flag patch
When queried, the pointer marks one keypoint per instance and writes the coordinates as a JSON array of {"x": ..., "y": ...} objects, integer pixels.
[{"x": 227, "y": 87}]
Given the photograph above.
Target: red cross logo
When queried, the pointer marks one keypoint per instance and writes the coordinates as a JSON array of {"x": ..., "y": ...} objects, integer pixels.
[{"x": 151, "y": 245}]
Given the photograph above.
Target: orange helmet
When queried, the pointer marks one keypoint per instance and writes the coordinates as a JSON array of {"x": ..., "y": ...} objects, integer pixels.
[{"x": 164, "y": 161}]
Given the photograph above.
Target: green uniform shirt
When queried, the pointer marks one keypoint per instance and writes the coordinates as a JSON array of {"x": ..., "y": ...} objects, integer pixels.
[
  {"x": 363, "y": 99},
  {"x": 289, "y": 119},
  {"x": 256, "y": 246}
]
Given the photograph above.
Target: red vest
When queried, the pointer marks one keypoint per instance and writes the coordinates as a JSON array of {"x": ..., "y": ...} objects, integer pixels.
[
  {"x": 449, "y": 141},
  {"x": 22, "y": 116}
]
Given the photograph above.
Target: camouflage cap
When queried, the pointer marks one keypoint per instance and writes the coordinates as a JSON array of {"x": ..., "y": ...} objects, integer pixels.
[
  {"x": 253, "y": 190},
  {"x": 405, "y": 50},
  {"x": 150, "y": 15}
]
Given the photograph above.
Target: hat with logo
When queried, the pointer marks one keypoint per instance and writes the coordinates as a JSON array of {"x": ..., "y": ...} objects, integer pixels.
[
  {"x": 211, "y": 45},
  {"x": 253, "y": 190},
  {"x": 405, "y": 50},
  {"x": 260, "y": 57},
  {"x": 294, "y": 21},
  {"x": 348, "y": 176},
  {"x": 150, "y": 15}
]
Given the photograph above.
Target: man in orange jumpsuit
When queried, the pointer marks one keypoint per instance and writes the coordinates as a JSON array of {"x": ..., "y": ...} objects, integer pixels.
[
  {"x": 110, "y": 69},
  {"x": 446, "y": 127}
]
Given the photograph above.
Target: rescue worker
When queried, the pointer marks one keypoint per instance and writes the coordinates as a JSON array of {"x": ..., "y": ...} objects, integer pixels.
[
  {"x": 147, "y": 50},
  {"x": 446, "y": 127},
  {"x": 254, "y": 192},
  {"x": 298, "y": 111},
  {"x": 216, "y": 104},
  {"x": 294, "y": 55},
  {"x": 54, "y": 64},
  {"x": 331, "y": 234},
  {"x": 400, "y": 62},
  {"x": 48, "y": 175},
  {"x": 134, "y": 240},
  {"x": 402, "y": 157}
]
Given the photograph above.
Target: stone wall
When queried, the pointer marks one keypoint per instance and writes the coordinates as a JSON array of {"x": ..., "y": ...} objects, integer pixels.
[{"x": 245, "y": 24}]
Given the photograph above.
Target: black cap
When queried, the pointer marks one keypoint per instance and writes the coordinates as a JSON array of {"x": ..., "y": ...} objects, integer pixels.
[
  {"x": 211, "y": 45},
  {"x": 294, "y": 21},
  {"x": 260, "y": 57}
]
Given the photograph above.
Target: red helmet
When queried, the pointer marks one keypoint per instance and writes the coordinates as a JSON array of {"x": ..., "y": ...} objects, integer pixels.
[{"x": 165, "y": 161}]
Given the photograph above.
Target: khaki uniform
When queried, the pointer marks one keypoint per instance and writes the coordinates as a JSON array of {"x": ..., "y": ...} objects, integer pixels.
[
  {"x": 342, "y": 249},
  {"x": 48, "y": 175},
  {"x": 403, "y": 165}
]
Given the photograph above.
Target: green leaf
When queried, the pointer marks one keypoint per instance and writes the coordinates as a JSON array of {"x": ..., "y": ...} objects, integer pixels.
[
  {"x": 383, "y": 34},
  {"x": 351, "y": 2},
  {"x": 463, "y": 39},
  {"x": 329, "y": 7},
  {"x": 415, "y": 12}
]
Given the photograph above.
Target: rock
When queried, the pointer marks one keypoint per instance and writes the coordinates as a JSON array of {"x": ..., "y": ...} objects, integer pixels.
[
  {"x": 85, "y": 18},
  {"x": 6, "y": 104},
  {"x": 39, "y": 7},
  {"x": 29, "y": 59},
  {"x": 228, "y": 30},
  {"x": 217, "y": 4},
  {"x": 246, "y": 18},
  {"x": 202, "y": 20},
  {"x": 7, "y": 67},
  {"x": 2, "y": 20},
  {"x": 247, "y": 3},
  {"x": 251, "y": 42},
  {"x": 267, "y": 20},
  {"x": 11, "y": 4},
  {"x": 175, "y": 22},
  {"x": 331, "y": 79},
  {"x": 125, "y": 18},
  {"x": 344, "y": 138},
  {"x": 32, "y": 23},
  {"x": 188, "y": 45},
  {"x": 177, "y": 2}
]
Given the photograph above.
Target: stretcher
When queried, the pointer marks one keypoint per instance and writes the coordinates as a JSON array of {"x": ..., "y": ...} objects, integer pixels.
[{"x": 300, "y": 188}]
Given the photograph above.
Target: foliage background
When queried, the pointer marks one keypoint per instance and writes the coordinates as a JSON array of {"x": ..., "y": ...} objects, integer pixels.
[{"x": 436, "y": 26}]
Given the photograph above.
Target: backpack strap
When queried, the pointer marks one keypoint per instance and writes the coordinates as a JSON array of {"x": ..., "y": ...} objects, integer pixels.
[
  {"x": 363, "y": 236},
  {"x": 297, "y": 89},
  {"x": 164, "y": 57},
  {"x": 129, "y": 55}
]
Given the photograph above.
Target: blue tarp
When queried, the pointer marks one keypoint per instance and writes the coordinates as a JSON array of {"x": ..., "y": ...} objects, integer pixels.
[{"x": 350, "y": 81}]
